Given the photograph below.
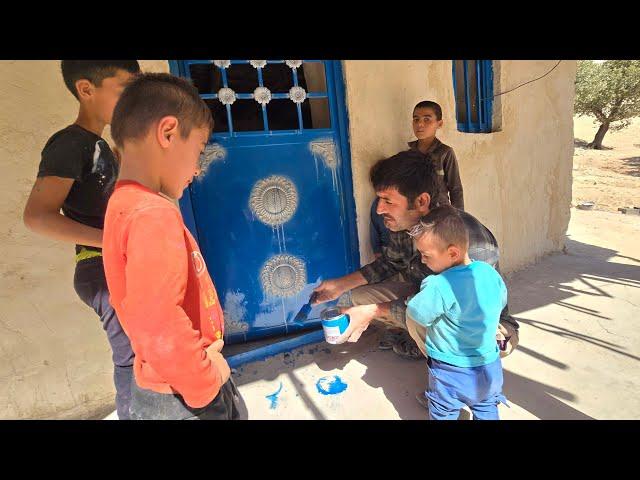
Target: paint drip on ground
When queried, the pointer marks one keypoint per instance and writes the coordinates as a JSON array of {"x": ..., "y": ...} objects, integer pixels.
[
  {"x": 331, "y": 385},
  {"x": 273, "y": 398}
]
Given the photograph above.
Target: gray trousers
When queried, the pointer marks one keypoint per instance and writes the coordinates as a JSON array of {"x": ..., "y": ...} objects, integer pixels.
[
  {"x": 91, "y": 286},
  {"x": 150, "y": 405}
]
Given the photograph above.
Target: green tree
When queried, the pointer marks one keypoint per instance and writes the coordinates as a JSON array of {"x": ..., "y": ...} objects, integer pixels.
[{"x": 610, "y": 92}]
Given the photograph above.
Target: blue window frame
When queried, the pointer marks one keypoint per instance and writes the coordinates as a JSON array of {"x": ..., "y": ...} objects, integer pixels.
[{"x": 473, "y": 90}]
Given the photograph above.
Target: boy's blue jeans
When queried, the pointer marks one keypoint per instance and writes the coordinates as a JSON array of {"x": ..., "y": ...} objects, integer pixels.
[
  {"x": 450, "y": 388},
  {"x": 91, "y": 286}
]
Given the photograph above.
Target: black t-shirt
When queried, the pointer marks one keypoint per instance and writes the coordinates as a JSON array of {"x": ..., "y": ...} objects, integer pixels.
[{"x": 86, "y": 158}]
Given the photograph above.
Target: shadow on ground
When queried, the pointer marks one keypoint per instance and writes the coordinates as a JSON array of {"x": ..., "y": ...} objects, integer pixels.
[{"x": 532, "y": 288}]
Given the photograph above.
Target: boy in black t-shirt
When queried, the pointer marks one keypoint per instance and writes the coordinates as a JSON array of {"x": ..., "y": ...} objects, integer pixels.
[{"x": 77, "y": 174}]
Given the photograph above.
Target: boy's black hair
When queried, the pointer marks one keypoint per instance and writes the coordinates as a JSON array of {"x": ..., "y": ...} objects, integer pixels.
[
  {"x": 410, "y": 175},
  {"x": 432, "y": 105},
  {"x": 152, "y": 96},
  {"x": 446, "y": 224},
  {"x": 94, "y": 70}
]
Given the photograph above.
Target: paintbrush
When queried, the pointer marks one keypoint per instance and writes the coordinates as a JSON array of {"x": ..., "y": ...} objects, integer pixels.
[{"x": 302, "y": 315}]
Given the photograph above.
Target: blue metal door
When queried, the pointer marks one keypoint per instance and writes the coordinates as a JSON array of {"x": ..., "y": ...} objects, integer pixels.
[{"x": 273, "y": 212}]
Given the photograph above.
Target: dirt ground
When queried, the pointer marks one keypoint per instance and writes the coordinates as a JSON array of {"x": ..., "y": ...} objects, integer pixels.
[{"x": 609, "y": 177}]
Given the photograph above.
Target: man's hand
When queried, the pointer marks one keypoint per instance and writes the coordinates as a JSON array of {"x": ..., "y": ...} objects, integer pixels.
[
  {"x": 329, "y": 290},
  {"x": 213, "y": 352},
  {"x": 359, "y": 319},
  {"x": 507, "y": 338},
  {"x": 334, "y": 287}
]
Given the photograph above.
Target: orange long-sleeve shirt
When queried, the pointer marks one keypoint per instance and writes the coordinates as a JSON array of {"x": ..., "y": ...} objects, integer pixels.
[{"x": 162, "y": 293}]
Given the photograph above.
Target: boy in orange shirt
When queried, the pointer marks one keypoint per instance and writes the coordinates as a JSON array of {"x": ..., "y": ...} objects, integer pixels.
[{"x": 159, "y": 283}]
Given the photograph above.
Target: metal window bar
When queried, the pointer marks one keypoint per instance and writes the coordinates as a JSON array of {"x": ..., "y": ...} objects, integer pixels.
[
  {"x": 242, "y": 96},
  {"x": 466, "y": 95},
  {"x": 235, "y": 62},
  {"x": 225, "y": 84},
  {"x": 479, "y": 95},
  {"x": 265, "y": 121},
  {"x": 298, "y": 105}
]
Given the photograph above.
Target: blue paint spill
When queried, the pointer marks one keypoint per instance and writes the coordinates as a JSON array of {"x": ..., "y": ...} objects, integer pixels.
[
  {"x": 273, "y": 398},
  {"x": 331, "y": 385}
]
